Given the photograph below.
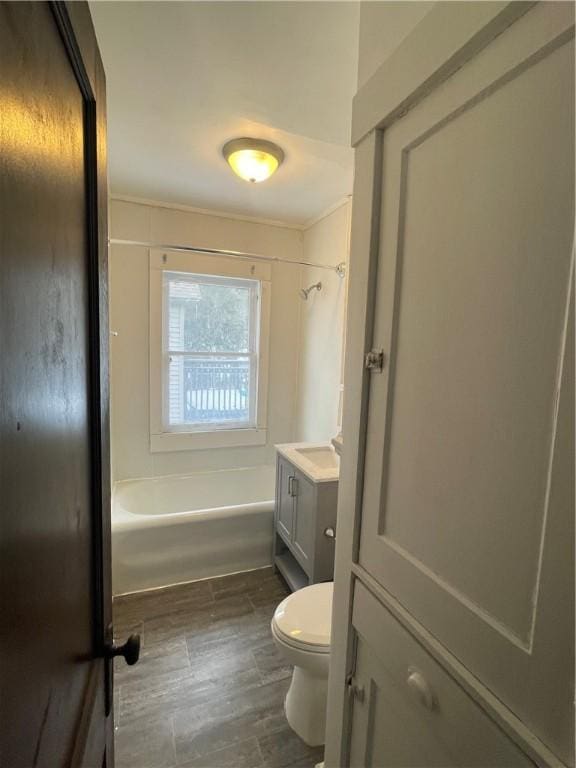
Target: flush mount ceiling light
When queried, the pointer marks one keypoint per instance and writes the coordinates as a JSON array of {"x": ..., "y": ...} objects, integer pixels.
[{"x": 253, "y": 160}]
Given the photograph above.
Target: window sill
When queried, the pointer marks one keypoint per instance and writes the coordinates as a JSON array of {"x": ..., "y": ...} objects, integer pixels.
[{"x": 166, "y": 442}]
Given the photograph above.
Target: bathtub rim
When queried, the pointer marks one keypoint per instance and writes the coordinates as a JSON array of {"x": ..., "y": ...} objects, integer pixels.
[
  {"x": 123, "y": 520},
  {"x": 189, "y": 475}
]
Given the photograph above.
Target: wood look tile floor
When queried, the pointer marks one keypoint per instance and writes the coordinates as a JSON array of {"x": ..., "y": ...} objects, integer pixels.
[{"x": 208, "y": 691}]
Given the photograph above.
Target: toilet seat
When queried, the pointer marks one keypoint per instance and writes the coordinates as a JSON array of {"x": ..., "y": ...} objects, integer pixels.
[
  {"x": 298, "y": 645},
  {"x": 303, "y": 619}
]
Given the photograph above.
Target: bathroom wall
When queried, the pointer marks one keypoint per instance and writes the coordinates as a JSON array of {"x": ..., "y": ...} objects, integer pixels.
[
  {"x": 320, "y": 335},
  {"x": 131, "y": 456},
  {"x": 383, "y": 26}
]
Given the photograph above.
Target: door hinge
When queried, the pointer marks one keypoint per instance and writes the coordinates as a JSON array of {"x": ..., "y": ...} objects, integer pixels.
[
  {"x": 374, "y": 360},
  {"x": 355, "y": 691}
]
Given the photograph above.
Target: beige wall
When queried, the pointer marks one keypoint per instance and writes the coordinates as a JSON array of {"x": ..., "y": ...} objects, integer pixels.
[
  {"x": 383, "y": 26},
  {"x": 306, "y": 337},
  {"x": 129, "y": 312},
  {"x": 321, "y": 329}
]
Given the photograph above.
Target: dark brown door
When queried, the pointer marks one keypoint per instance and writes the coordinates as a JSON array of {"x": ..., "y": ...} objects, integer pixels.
[{"x": 54, "y": 478}]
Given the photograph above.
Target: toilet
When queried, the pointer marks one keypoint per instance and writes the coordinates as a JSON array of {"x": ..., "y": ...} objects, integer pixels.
[{"x": 301, "y": 632}]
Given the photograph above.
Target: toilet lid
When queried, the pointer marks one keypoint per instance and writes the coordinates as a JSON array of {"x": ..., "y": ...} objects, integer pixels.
[{"x": 306, "y": 615}]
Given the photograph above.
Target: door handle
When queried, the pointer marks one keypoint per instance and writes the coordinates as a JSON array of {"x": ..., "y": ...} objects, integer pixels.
[
  {"x": 130, "y": 650},
  {"x": 292, "y": 486}
]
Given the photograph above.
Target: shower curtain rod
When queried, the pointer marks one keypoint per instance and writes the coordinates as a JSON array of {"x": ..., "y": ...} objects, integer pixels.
[{"x": 340, "y": 268}]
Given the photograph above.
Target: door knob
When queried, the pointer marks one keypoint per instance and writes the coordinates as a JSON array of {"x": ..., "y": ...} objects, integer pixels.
[
  {"x": 419, "y": 686},
  {"x": 130, "y": 650}
]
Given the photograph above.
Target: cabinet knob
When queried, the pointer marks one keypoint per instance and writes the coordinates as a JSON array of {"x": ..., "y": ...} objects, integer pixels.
[
  {"x": 419, "y": 685},
  {"x": 330, "y": 533}
]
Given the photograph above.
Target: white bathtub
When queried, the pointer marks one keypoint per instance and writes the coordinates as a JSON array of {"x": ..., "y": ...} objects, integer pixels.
[{"x": 170, "y": 530}]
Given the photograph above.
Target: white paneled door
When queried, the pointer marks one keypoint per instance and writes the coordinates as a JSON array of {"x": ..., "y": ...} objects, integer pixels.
[
  {"x": 467, "y": 501},
  {"x": 462, "y": 450}
]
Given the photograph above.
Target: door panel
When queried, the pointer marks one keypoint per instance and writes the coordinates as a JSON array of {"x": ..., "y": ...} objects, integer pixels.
[
  {"x": 284, "y": 499},
  {"x": 479, "y": 300},
  {"x": 394, "y": 726},
  {"x": 53, "y": 418},
  {"x": 463, "y": 446}
]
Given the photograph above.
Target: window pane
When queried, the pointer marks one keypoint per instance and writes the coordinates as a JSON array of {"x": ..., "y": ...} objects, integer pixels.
[
  {"x": 209, "y": 390},
  {"x": 208, "y": 316}
]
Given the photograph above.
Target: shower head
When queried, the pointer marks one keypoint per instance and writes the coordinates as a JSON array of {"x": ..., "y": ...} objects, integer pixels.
[{"x": 304, "y": 292}]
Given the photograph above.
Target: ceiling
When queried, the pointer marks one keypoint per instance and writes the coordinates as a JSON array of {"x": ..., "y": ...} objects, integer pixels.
[{"x": 184, "y": 77}]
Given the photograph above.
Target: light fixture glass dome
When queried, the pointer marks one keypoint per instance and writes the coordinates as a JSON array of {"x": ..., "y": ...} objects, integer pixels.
[{"x": 253, "y": 160}]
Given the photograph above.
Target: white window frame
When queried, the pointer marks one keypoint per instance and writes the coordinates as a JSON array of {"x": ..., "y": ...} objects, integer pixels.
[
  {"x": 251, "y": 354},
  {"x": 166, "y": 437}
]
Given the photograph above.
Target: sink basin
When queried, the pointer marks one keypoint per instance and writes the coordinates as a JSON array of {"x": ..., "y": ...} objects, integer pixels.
[
  {"x": 323, "y": 458},
  {"x": 318, "y": 461}
]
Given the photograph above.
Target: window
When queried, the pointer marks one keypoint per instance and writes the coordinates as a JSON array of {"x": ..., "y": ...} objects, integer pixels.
[
  {"x": 208, "y": 358},
  {"x": 211, "y": 342}
]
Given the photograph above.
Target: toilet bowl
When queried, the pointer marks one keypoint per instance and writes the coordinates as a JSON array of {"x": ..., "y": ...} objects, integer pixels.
[{"x": 301, "y": 632}]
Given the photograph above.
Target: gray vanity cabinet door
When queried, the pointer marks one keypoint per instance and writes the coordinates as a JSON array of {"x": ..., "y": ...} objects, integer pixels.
[
  {"x": 284, "y": 499},
  {"x": 304, "y": 522}
]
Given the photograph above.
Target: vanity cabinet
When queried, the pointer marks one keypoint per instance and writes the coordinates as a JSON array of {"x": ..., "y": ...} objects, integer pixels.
[{"x": 305, "y": 526}]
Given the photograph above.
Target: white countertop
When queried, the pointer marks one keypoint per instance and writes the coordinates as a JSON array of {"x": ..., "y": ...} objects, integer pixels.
[{"x": 296, "y": 454}]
